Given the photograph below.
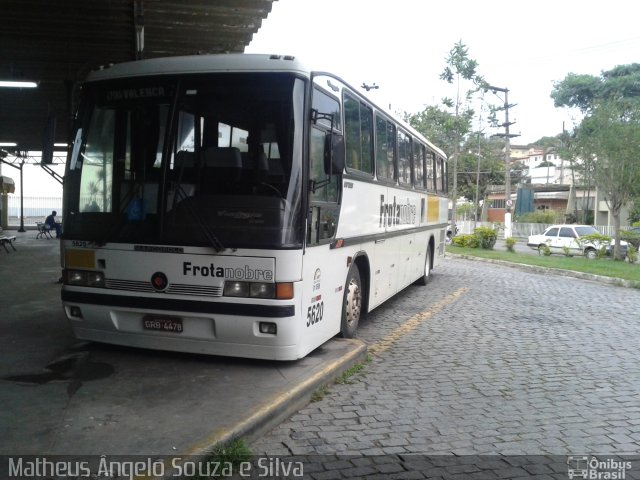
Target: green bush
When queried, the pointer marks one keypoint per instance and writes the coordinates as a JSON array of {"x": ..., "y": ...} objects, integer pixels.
[
  {"x": 510, "y": 242},
  {"x": 598, "y": 240},
  {"x": 539, "y": 216},
  {"x": 632, "y": 254},
  {"x": 546, "y": 251},
  {"x": 486, "y": 236},
  {"x": 631, "y": 238},
  {"x": 466, "y": 240},
  {"x": 567, "y": 251}
]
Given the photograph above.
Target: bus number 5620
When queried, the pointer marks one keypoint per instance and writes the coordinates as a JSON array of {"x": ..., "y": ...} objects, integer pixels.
[{"x": 314, "y": 313}]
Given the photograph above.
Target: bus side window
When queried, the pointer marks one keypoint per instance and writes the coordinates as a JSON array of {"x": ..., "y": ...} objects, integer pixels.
[
  {"x": 418, "y": 164},
  {"x": 385, "y": 149},
  {"x": 323, "y": 199},
  {"x": 440, "y": 181},
  {"x": 430, "y": 169},
  {"x": 323, "y": 191},
  {"x": 404, "y": 160},
  {"x": 358, "y": 126}
]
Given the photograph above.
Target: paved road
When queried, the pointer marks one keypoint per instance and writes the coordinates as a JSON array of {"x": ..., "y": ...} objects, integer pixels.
[{"x": 485, "y": 360}]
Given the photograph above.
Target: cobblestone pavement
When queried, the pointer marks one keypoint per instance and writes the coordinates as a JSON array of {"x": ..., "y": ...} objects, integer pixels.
[{"x": 513, "y": 363}]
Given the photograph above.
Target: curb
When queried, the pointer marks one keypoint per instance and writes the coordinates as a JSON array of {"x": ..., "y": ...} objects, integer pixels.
[
  {"x": 274, "y": 410},
  {"x": 619, "y": 282}
]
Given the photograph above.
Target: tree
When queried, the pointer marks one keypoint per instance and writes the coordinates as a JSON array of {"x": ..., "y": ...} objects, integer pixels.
[
  {"x": 438, "y": 126},
  {"x": 609, "y": 134},
  {"x": 491, "y": 165},
  {"x": 581, "y": 163},
  {"x": 583, "y": 91},
  {"x": 435, "y": 124},
  {"x": 460, "y": 70}
]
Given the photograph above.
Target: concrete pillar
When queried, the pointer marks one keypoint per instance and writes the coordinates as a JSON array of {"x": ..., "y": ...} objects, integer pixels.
[{"x": 4, "y": 211}]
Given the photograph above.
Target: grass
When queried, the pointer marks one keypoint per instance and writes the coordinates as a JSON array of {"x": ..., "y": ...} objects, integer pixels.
[
  {"x": 323, "y": 390},
  {"x": 347, "y": 374},
  {"x": 605, "y": 267},
  {"x": 223, "y": 461},
  {"x": 320, "y": 393}
]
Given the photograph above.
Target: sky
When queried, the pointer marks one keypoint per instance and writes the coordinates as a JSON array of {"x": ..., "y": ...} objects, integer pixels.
[{"x": 402, "y": 45}]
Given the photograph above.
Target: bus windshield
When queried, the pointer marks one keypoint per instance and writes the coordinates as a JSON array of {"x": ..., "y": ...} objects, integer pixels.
[{"x": 199, "y": 159}]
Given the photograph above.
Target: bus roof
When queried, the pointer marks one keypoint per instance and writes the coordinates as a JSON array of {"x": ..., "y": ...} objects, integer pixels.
[
  {"x": 228, "y": 62},
  {"x": 231, "y": 62}
]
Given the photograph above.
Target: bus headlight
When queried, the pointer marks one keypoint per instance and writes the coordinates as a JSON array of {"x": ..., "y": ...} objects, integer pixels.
[
  {"x": 236, "y": 289},
  {"x": 95, "y": 279},
  {"x": 76, "y": 277},
  {"x": 262, "y": 290},
  {"x": 280, "y": 291},
  {"x": 84, "y": 278}
]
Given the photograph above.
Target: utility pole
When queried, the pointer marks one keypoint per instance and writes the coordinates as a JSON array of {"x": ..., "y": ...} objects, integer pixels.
[
  {"x": 477, "y": 202},
  {"x": 507, "y": 156}
]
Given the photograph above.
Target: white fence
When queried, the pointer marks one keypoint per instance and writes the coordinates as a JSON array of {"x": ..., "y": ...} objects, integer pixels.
[
  {"x": 35, "y": 209},
  {"x": 523, "y": 230}
]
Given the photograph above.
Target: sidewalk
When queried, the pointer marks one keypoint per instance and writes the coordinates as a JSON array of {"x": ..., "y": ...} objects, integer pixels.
[{"x": 61, "y": 396}]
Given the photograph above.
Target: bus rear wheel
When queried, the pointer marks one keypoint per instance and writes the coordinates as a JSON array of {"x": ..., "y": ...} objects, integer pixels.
[
  {"x": 424, "y": 279},
  {"x": 351, "y": 304}
]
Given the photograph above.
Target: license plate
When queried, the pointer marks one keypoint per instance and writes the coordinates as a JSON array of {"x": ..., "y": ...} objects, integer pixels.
[{"x": 163, "y": 324}]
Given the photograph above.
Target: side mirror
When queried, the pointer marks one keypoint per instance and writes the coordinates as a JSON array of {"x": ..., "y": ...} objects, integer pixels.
[
  {"x": 334, "y": 154},
  {"x": 48, "y": 141}
]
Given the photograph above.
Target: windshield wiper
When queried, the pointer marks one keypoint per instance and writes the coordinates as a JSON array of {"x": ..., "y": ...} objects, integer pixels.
[{"x": 215, "y": 242}]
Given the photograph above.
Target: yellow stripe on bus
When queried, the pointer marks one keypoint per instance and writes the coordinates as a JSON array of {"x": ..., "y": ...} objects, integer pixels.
[{"x": 433, "y": 209}]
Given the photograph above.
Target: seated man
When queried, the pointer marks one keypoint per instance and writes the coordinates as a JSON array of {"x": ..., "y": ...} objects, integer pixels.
[{"x": 51, "y": 223}]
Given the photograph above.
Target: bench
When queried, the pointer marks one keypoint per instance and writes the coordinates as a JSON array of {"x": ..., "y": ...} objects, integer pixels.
[
  {"x": 4, "y": 239},
  {"x": 44, "y": 231}
]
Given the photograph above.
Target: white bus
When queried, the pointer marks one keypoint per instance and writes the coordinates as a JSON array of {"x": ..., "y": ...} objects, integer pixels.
[{"x": 240, "y": 205}]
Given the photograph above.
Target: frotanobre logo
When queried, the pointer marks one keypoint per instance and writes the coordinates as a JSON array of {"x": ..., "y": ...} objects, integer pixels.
[{"x": 594, "y": 468}]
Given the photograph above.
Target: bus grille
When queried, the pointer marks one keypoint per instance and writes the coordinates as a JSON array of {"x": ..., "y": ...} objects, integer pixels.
[{"x": 176, "y": 288}]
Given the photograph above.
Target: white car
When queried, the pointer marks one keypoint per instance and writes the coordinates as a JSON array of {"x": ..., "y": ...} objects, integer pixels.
[{"x": 559, "y": 237}]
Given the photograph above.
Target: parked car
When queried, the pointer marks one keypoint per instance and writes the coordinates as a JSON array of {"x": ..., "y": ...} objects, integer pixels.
[{"x": 560, "y": 237}]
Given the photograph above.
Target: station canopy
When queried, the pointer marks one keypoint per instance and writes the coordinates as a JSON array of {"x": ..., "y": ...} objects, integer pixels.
[{"x": 56, "y": 44}]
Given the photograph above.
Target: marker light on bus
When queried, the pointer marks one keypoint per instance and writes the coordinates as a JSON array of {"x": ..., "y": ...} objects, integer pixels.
[
  {"x": 84, "y": 278},
  {"x": 284, "y": 291},
  {"x": 280, "y": 291}
]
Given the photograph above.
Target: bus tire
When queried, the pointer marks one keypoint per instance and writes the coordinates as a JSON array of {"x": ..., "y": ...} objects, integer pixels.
[
  {"x": 352, "y": 303},
  {"x": 426, "y": 275}
]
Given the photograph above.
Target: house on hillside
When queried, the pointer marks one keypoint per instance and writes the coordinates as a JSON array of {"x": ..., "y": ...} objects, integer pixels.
[{"x": 550, "y": 183}]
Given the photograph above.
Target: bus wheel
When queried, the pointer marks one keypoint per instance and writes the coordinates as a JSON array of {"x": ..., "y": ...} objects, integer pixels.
[
  {"x": 351, "y": 304},
  {"x": 426, "y": 275}
]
